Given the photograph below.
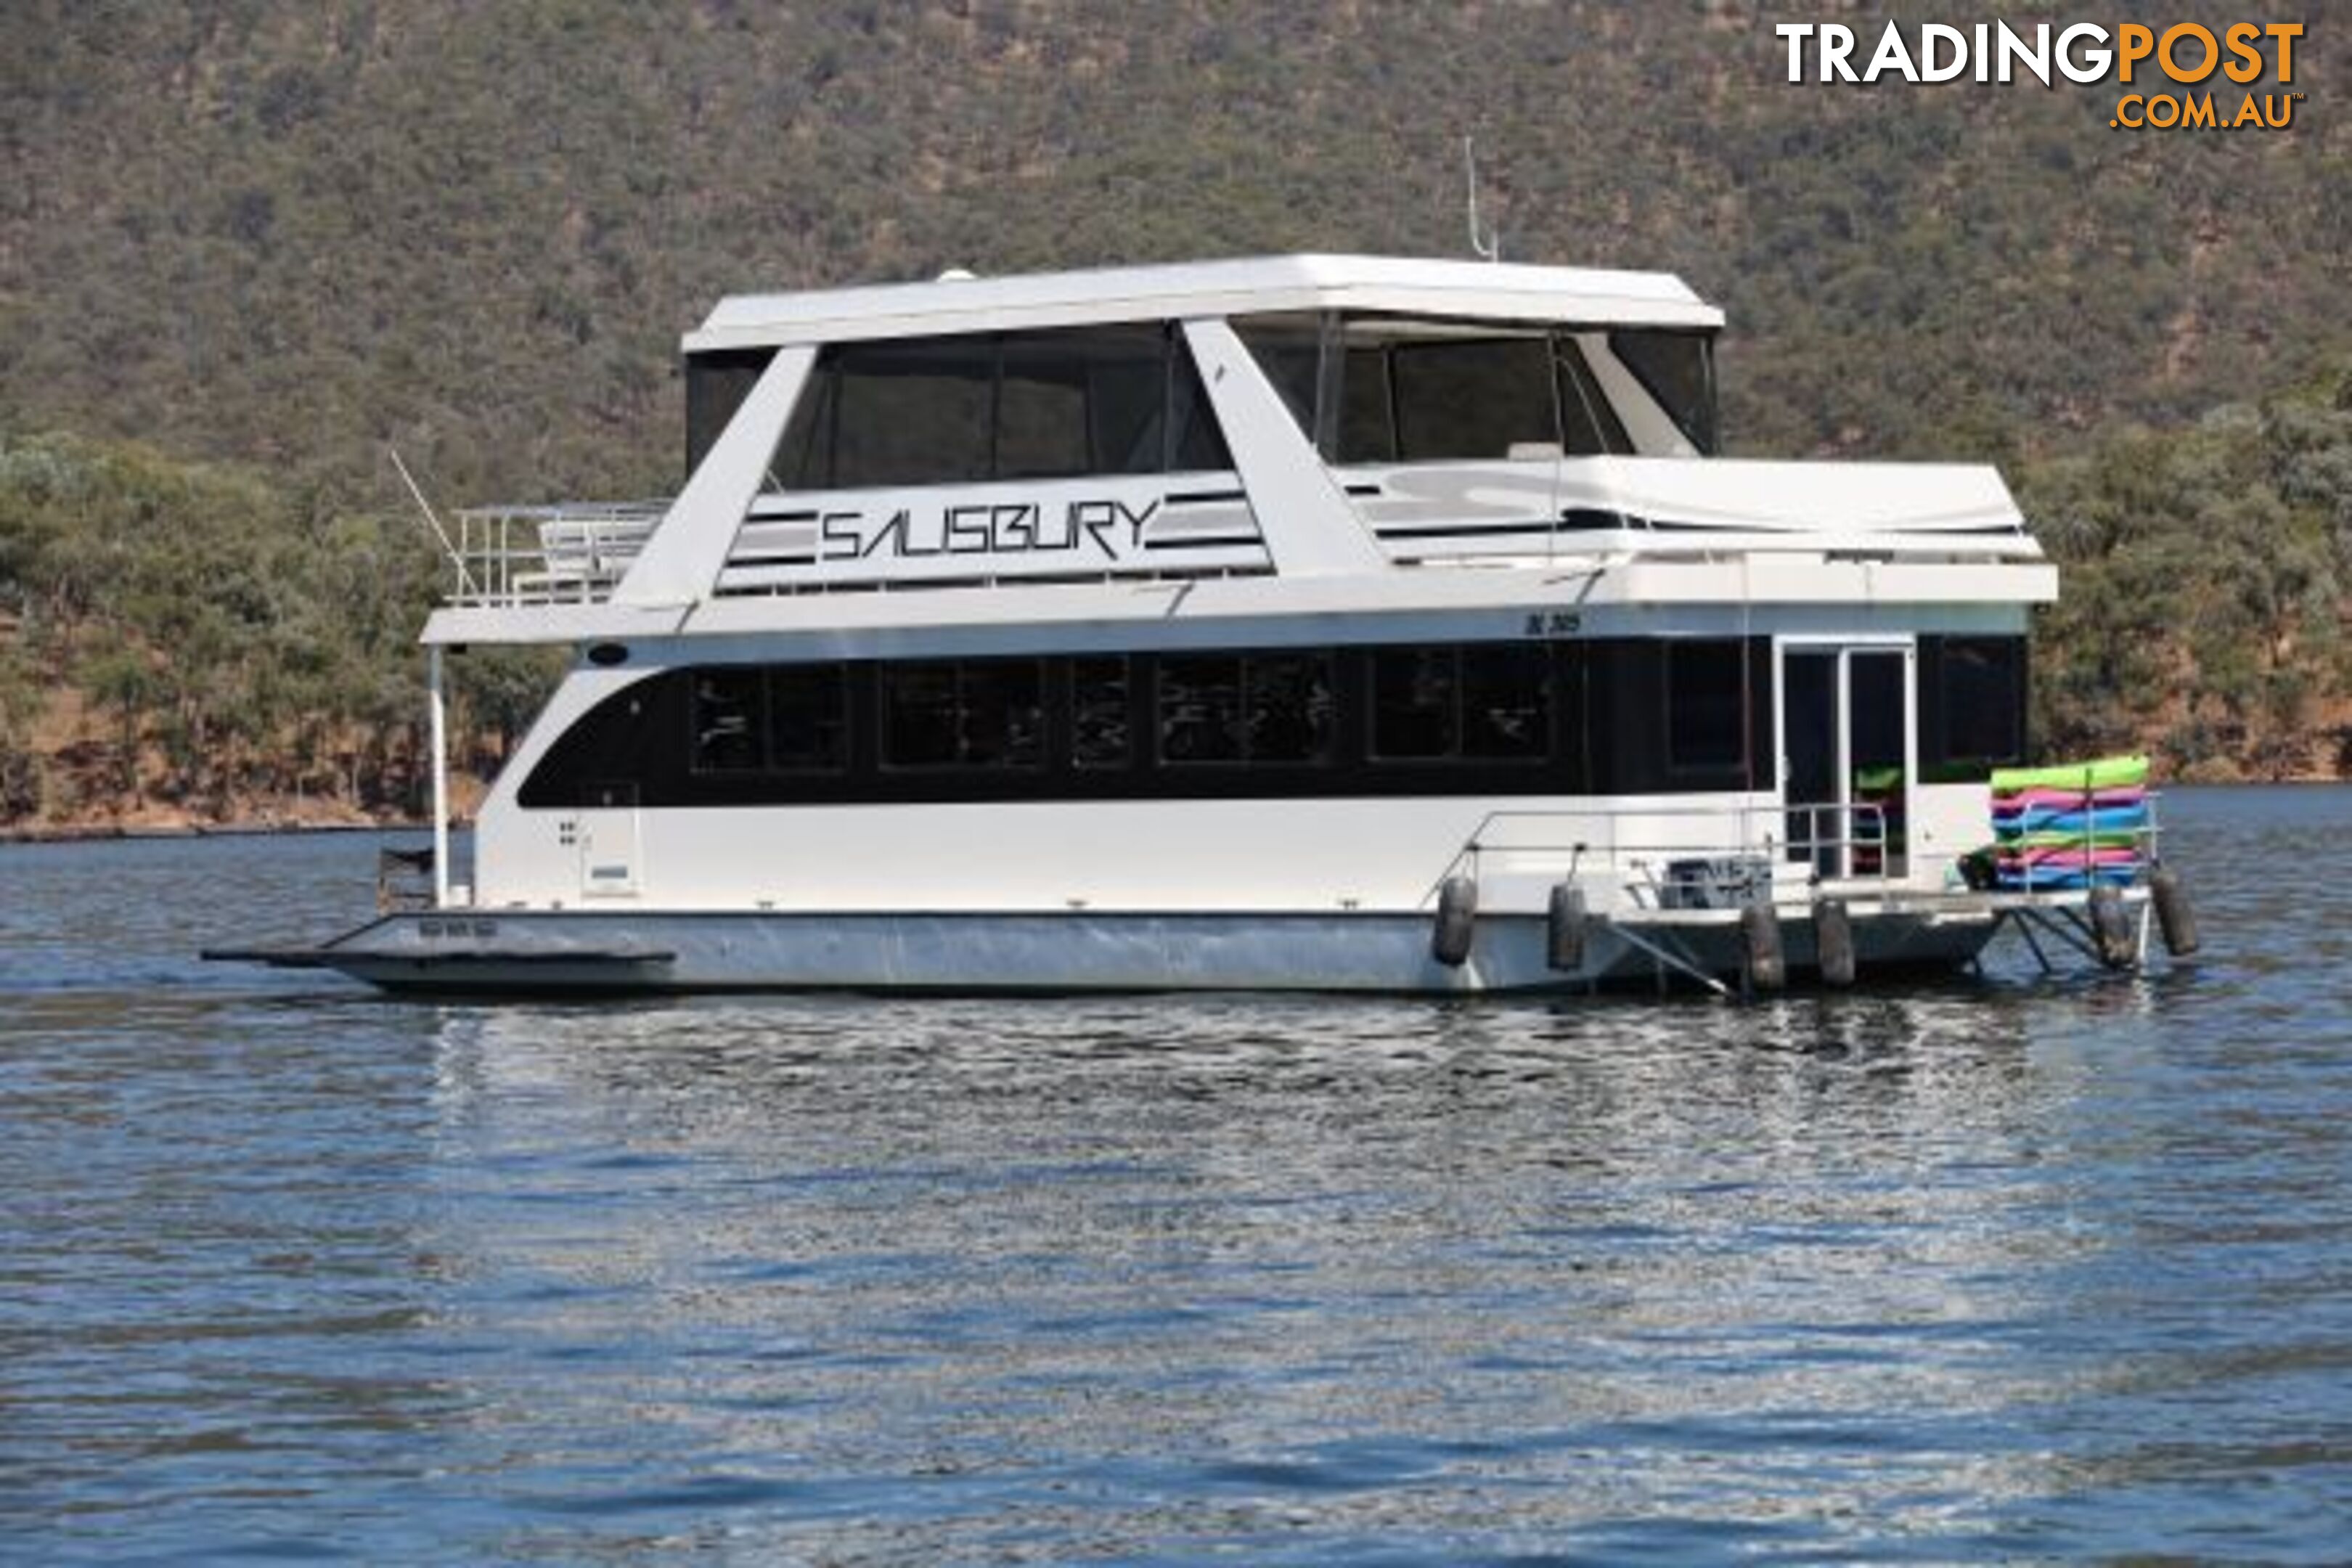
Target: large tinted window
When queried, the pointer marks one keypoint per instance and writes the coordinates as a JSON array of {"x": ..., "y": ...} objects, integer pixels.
[
  {"x": 1480, "y": 702},
  {"x": 1473, "y": 399},
  {"x": 1706, "y": 704},
  {"x": 1677, "y": 369},
  {"x": 1972, "y": 706},
  {"x": 1082, "y": 402},
  {"x": 983, "y": 714},
  {"x": 1417, "y": 399},
  {"x": 1613, "y": 715},
  {"x": 748, "y": 719},
  {"x": 1024, "y": 405},
  {"x": 914, "y": 412},
  {"x": 1262, "y": 707}
]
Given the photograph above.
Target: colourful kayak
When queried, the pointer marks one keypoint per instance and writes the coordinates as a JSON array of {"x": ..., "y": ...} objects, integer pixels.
[
  {"x": 2075, "y": 822},
  {"x": 2068, "y": 799},
  {"x": 2126, "y": 843},
  {"x": 2107, "y": 773},
  {"x": 2065, "y": 878},
  {"x": 2068, "y": 855}
]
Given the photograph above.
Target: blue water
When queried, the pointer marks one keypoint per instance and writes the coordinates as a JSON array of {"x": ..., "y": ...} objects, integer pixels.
[{"x": 2014, "y": 1270}]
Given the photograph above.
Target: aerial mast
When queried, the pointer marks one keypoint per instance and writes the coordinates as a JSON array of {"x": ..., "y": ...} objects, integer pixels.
[{"x": 1486, "y": 242}]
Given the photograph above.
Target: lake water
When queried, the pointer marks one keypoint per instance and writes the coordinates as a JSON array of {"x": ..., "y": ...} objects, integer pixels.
[{"x": 2013, "y": 1269}]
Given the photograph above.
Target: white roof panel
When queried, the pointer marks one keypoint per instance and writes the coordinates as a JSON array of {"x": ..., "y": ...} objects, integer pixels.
[{"x": 1506, "y": 291}]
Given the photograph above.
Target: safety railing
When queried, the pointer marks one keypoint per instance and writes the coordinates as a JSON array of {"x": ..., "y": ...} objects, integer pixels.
[
  {"x": 1763, "y": 850},
  {"x": 571, "y": 553},
  {"x": 1844, "y": 842}
]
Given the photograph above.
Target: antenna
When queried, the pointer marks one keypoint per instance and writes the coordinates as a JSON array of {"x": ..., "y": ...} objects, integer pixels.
[
  {"x": 465, "y": 579},
  {"x": 1486, "y": 245}
]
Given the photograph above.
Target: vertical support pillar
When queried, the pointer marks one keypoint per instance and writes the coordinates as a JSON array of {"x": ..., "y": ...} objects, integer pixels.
[{"x": 438, "y": 709}]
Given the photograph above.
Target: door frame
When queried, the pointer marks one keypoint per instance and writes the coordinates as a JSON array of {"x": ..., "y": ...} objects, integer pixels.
[{"x": 1845, "y": 645}]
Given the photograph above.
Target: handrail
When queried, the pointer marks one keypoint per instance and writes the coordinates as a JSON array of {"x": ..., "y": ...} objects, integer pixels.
[
  {"x": 1866, "y": 830},
  {"x": 1865, "y": 822},
  {"x": 569, "y": 554}
]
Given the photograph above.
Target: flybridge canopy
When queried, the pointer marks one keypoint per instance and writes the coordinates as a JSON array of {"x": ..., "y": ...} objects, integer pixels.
[{"x": 1586, "y": 295}]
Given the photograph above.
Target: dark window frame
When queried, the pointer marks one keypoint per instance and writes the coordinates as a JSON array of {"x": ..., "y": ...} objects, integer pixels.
[
  {"x": 1679, "y": 763},
  {"x": 807, "y": 458},
  {"x": 1602, "y": 726},
  {"x": 962, "y": 675}
]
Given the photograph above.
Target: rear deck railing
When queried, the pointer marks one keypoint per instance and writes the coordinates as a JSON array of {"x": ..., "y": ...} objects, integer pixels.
[
  {"x": 571, "y": 553},
  {"x": 1770, "y": 851}
]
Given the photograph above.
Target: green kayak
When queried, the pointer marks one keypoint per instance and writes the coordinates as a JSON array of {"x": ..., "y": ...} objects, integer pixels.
[{"x": 2108, "y": 773}]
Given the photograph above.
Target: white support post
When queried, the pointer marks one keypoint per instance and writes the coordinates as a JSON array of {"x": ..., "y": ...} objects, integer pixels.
[{"x": 439, "y": 708}]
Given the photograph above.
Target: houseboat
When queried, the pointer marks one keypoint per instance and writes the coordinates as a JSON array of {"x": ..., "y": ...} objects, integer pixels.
[{"x": 1311, "y": 622}]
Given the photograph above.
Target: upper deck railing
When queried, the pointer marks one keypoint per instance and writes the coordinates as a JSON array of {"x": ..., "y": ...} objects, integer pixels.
[{"x": 569, "y": 554}]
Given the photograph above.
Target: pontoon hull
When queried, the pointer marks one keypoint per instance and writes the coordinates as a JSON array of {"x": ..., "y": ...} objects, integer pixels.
[{"x": 520, "y": 952}]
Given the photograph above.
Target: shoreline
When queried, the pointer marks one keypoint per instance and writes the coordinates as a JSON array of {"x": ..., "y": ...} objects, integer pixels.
[{"x": 97, "y": 832}]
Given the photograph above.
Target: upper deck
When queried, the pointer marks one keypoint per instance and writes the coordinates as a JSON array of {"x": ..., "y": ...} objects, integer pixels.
[{"x": 1346, "y": 430}]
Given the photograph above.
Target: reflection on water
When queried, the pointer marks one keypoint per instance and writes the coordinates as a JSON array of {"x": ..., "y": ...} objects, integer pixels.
[{"x": 2010, "y": 1269}]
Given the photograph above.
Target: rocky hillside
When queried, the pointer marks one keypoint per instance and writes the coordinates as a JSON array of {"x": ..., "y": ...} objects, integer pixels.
[{"x": 263, "y": 240}]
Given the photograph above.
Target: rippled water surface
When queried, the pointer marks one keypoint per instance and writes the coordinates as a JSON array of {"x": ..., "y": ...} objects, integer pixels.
[{"x": 2011, "y": 1270}]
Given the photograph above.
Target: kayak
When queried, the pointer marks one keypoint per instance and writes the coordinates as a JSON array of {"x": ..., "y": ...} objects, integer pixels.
[
  {"x": 2032, "y": 823},
  {"x": 2066, "y": 799},
  {"x": 2065, "y": 878},
  {"x": 2066, "y": 855},
  {"x": 2107, "y": 773}
]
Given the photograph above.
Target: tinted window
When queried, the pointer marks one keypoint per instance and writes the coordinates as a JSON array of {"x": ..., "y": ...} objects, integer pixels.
[
  {"x": 1002, "y": 714},
  {"x": 919, "y": 726},
  {"x": 716, "y": 385},
  {"x": 978, "y": 715},
  {"x": 726, "y": 709},
  {"x": 808, "y": 721},
  {"x": 1082, "y": 402},
  {"x": 1704, "y": 704},
  {"x": 913, "y": 413},
  {"x": 1041, "y": 412},
  {"x": 1414, "y": 703},
  {"x": 1506, "y": 701},
  {"x": 1588, "y": 426},
  {"x": 1972, "y": 707},
  {"x": 1200, "y": 708},
  {"x": 1268, "y": 708},
  {"x": 1367, "y": 417},
  {"x": 1290, "y": 353},
  {"x": 1099, "y": 727},
  {"x": 1677, "y": 369},
  {"x": 1500, "y": 719},
  {"x": 804, "y": 459},
  {"x": 1486, "y": 702},
  {"x": 1195, "y": 443},
  {"x": 1475, "y": 399},
  {"x": 1059, "y": 405},
  {"x": 1289, "y": 709}
]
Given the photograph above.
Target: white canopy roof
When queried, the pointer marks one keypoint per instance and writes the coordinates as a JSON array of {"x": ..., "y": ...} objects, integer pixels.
[{"x": 1584, "y": 296}]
